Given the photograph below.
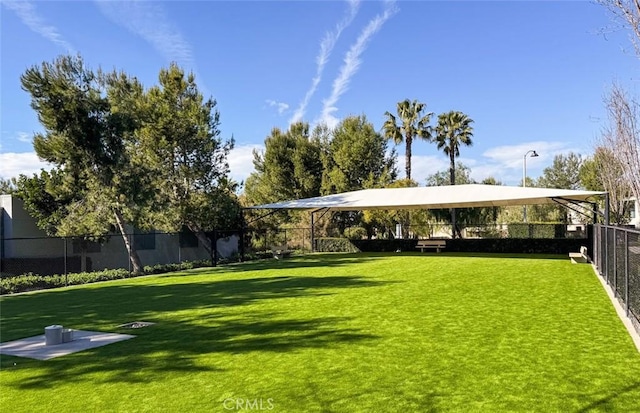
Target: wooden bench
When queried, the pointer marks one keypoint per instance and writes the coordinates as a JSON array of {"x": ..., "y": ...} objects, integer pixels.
[
  {"x": 579, "y": 257},
  {"x": 436, "y": 244},
  {"x": 280, "y": 251}
]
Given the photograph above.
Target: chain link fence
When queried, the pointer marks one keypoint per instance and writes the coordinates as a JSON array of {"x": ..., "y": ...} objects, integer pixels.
[{"x": 617, "y": 258}]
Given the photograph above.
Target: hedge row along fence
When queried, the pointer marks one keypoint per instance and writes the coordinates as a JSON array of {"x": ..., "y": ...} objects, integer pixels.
[{"x": 32, "y": 282}]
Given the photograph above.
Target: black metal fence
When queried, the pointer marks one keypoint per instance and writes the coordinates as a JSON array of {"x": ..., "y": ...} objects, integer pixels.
[
  {"x": 476, "y": 231},
  {"x": 50, "y": 255},
  {"x": 54, "y": 255},
  {"x": 617, "y": 258}
]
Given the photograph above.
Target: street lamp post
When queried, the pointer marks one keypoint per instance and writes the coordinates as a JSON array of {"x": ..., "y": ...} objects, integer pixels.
[{"x": 524, "y": 177}]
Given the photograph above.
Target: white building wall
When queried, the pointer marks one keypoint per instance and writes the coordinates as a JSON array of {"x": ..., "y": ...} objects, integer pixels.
[
  {"x": 21, "y": 236},
  {"x": 635, "y": 213}
]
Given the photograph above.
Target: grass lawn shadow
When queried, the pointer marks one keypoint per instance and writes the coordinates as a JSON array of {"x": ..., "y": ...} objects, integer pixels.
[
  {"x": 605, "y": 403},
  {"x": 194, "y": 318},
  {"x": 178, "y": 348}
]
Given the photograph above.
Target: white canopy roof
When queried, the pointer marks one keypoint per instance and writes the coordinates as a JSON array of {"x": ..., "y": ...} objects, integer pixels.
[{"x": 436, "y": 197}]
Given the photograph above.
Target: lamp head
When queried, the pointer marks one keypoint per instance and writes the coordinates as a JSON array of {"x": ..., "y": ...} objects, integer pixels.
[{"x": 534, "y": 154}]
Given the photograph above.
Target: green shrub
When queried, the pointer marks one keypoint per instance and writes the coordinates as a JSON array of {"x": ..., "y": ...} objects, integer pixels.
[
  {"x": 355, "y": 233},
  {"x": 542, "y": 231},
  {"x": 335, "y": 245},
  {"x": 519, "y": 231},
  {"x": 30, "y": 281}
]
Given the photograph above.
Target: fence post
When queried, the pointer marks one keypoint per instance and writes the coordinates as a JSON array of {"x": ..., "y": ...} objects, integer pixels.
[
  {"x": 214, "y": 248},
  {"x": 312, "y": 236},
  {"x": 626, "y": 272},
  {"x": 242, "y": 241},
  {"x": 179, "y": 248},
  {"x": 606, "y": 254},
  {"x": 66, "y": 277},
  {"x": 615, "y": 262}
]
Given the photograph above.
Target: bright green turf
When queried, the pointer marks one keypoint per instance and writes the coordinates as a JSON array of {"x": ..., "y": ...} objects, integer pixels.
[{"x": 335, "y": 333}]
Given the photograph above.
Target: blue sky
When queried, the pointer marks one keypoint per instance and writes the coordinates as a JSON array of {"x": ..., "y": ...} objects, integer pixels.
[{"x": 531, "y": 74}]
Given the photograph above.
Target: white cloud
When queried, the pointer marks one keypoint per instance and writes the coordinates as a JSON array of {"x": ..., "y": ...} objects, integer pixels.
[
  {"x": 26, "y": 11},
  {"x": 13, "y": 164},
  {"x": 24, "y": 137},
  {"x": 511, "y": 156},
  {"x": 282, "y": 107},
  {"x": 422, "y": 166},
  {"x": 241, "y": 161},
  {"x": 326, "y": 47},
  {"x": 149, "y": 21},
  {"x": 506, "y": 163},
  {"x": 351, "y": 64}
]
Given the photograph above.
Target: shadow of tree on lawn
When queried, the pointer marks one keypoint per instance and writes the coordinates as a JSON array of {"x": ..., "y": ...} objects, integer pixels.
[
  {"x": 180, "y": 347},
  {"x": 604, "y": 403},
  {"x": 181, "y": 337}
]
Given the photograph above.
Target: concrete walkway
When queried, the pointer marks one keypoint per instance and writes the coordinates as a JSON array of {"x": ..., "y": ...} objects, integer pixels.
[{"x": 34, "y": 347}]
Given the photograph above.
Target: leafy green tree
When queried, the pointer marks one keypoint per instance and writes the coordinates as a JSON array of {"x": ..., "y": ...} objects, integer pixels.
[
  {"x": 465, "y": 216},
  {"x": 88, "y": 124},
  {"x": 605, "y": 172},
  {"x": 442, "y": 178},
  {"x": 179, "y": 143},
  {"x": 289, "y": 168},
  {"x": 356, "y": 158},
  {"x": 7, "y": 186},
  {"x": 412, "y": 124},
  {"x": 453, "y": 130},
  {"x": 46, "y": 198},
  {"x": 382, "y": 223},
  {"x": 564, "y": 173}
]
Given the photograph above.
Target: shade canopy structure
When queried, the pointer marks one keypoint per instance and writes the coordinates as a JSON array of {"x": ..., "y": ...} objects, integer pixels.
[{"x": 437, "y": 197}]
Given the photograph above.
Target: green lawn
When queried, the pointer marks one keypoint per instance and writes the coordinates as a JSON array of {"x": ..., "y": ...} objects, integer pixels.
[{"x": 334, "y": 333}]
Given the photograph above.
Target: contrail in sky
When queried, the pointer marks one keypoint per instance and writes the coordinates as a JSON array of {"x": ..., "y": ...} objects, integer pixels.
[
  {"x": 326, "y": 46},
  {"x": 149, "y": 21},
  {"x": 352, "y": 63},
  {"x": 26, "y": 11}
]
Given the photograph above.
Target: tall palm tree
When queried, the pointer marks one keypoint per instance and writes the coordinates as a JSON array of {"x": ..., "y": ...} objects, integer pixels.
[
  {"x": 413, "y": 124},
  {"x": 453, "y": 130}
]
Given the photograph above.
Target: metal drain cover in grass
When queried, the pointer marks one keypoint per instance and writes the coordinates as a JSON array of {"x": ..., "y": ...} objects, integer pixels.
[{"x": 136, "y": 324}]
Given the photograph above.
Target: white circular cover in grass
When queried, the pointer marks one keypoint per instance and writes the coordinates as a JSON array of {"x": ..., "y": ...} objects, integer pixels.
[{"x": 136, "y": 324}]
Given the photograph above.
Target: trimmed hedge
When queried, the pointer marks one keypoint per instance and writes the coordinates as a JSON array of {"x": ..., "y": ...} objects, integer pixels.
[
  {"x": 498, "y": 245},
  {"x": 335, "y": 245},
  {"x": 518, "y": 245},
  {"x": 536, "y": 231},
  {"x": 385, "y": 245},
  {"x": 31, "y": 281}
]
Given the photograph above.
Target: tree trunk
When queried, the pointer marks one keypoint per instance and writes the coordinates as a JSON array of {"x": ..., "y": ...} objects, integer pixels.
[
  {"x": 408, "y": 142},
  {"x": 202, "y": 237},
  {"x": 133, "y": 254},
  {"x": 452, "y": 179}
]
